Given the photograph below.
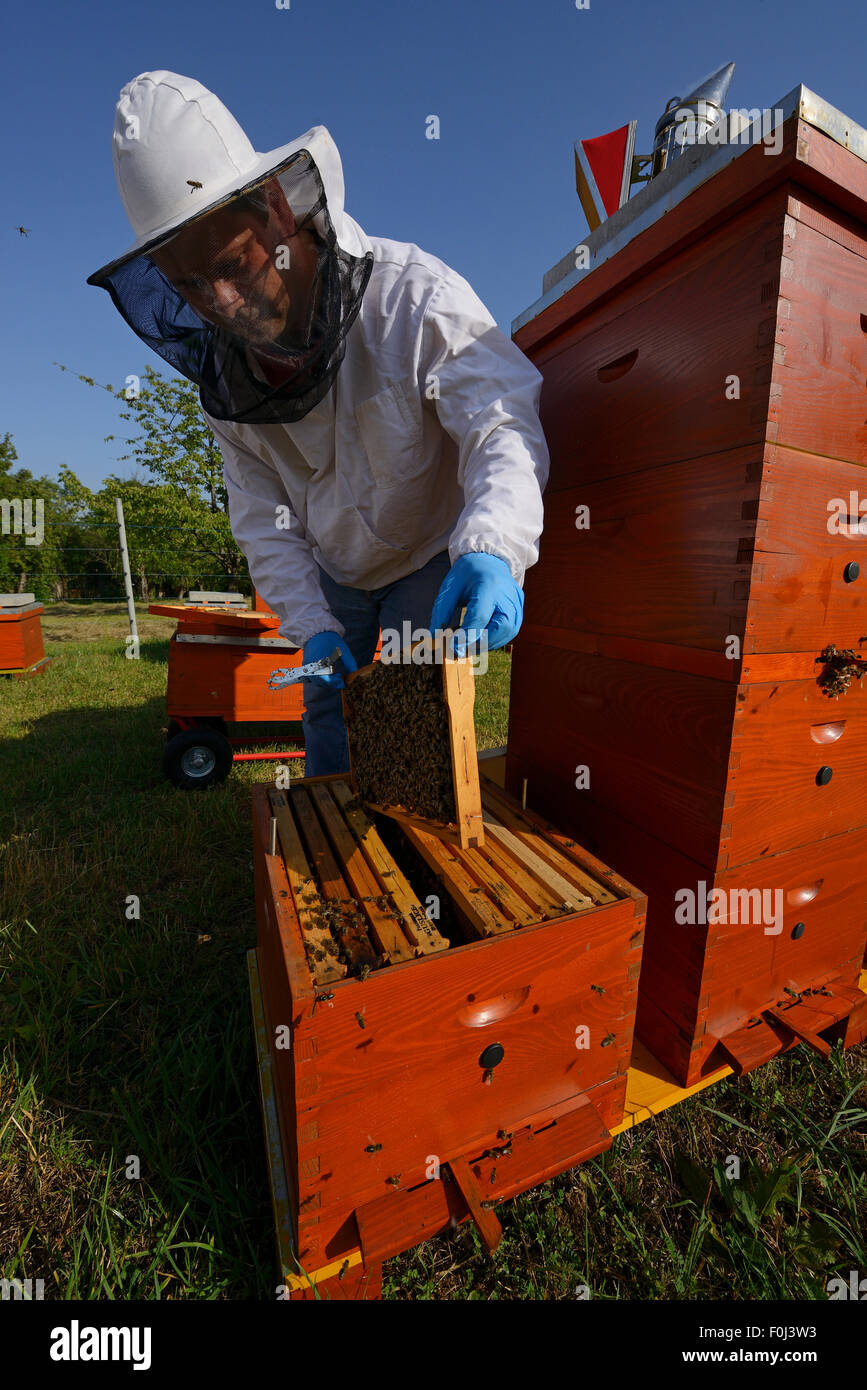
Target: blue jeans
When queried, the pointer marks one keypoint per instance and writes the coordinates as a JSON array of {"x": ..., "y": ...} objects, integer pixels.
[{"x": 363, "y": 612}]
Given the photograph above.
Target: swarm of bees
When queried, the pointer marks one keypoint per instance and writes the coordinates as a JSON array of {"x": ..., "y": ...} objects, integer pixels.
[
  {"x": 398, "y": 729},
  {"x": 840, "y": 668}
]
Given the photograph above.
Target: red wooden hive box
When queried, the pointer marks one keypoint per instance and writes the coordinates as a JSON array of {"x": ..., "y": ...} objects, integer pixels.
[
  {"x": 21, "y": 648},
  {"x": 220, "y": 661},
  {"x": 439, "y": 1078},
  {"x": 705, "y": 396}
]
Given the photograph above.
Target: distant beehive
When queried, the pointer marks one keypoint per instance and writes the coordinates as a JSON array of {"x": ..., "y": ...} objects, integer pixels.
[{"x": 21, "y": 648}]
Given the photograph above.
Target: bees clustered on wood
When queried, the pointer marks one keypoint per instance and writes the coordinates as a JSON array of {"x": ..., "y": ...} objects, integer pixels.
[
  {"x": 840, "y": 668},
  {"x": 398, "y": 729},
  {"x": 339, "y": 920}
]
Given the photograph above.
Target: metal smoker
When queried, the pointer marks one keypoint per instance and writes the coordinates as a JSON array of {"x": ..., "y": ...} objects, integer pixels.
[{"x": 686, "y": 120}]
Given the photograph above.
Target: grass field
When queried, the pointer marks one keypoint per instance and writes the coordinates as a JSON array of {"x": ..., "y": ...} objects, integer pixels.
[{"x": 127, "y": 1040}]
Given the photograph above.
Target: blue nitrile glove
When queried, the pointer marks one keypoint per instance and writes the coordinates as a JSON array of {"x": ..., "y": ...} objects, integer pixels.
[
  {"x": 322, "y": 645},
  {"x": 493, "y": 600}
]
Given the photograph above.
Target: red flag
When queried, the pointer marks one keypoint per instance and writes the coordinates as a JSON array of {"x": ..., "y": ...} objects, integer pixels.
[{"x": 603, "y": 172}]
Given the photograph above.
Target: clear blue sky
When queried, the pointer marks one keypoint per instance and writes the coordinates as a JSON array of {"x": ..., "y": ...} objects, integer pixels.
[{"x": 514, "y": 84}]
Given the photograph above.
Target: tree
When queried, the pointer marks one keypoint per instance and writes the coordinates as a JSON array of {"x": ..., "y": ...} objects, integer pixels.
[
  {"x": 163, "y": 549},
  {"x": 175, "y": 445},
  {"x": 30, "y": 547},
  {"x": 8, "y": 453}
]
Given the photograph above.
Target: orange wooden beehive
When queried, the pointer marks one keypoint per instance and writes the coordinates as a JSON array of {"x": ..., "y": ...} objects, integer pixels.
[
  {"x": 425, "y": 1069},
  {"x": 21, "y": 648},
  {"x": 704, "y": 397},
  {"x": 219, "y": 663}
]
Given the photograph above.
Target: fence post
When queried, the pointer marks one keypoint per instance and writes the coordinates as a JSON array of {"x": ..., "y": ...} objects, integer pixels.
[{"x": 127, "y": 577}]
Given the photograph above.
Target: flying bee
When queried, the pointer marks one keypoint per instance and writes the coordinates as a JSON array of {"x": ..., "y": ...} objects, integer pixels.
[
  {"x": 24, "y": 231},
  {"x": 194, "y": 184}
]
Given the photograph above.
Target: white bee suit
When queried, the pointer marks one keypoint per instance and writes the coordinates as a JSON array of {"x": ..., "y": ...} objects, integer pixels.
[
  {"x": 411, "y": 424},
  {"x": 381, "y": 475}
]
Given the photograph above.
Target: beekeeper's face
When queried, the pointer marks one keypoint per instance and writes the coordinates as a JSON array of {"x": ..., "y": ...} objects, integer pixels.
[{"x": 248, "y": 270}]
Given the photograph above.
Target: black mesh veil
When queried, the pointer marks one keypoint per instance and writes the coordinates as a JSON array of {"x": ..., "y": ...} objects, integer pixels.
[{"x": 225, "y": 323}]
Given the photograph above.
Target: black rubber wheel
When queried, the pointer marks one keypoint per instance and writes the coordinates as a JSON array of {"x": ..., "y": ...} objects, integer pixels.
[
  {"x": 204, "y": 721},
  {"x": 197, "y": 758}
]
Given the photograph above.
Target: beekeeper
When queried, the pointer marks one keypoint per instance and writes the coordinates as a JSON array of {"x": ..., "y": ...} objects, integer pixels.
[{"x": 383, "y": 456}]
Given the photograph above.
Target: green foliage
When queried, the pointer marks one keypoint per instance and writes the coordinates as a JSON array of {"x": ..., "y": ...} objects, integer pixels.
[
  {"x": 25, "y": 566},
  {"x": 8, "y": 453},
  {"x": 175, "y": 508},
  {"x": 174, "y": 544},
  {"x": 175, "y": 443}
]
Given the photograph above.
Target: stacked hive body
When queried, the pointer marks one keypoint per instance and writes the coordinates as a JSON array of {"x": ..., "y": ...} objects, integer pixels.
[
  {"x": 21, "y": 649},
  {"x": 705, "y": 397},
  {"x": 448, "y": 1025}
]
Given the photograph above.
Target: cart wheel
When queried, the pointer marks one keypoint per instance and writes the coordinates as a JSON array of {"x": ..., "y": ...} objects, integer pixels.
[
  {"x": 205, "y": 721},
  {"x": 197, "y": 758}
]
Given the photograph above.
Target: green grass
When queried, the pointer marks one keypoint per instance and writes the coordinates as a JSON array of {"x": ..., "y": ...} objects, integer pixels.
[{"x": 128, "y": 1039}]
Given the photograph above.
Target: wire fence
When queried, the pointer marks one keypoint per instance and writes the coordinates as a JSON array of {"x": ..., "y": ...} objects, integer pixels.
[{"x": 51, "y": 586}]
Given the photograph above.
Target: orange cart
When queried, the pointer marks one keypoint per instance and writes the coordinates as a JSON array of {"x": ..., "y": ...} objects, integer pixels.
[{"x": 220, "y": 657}]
